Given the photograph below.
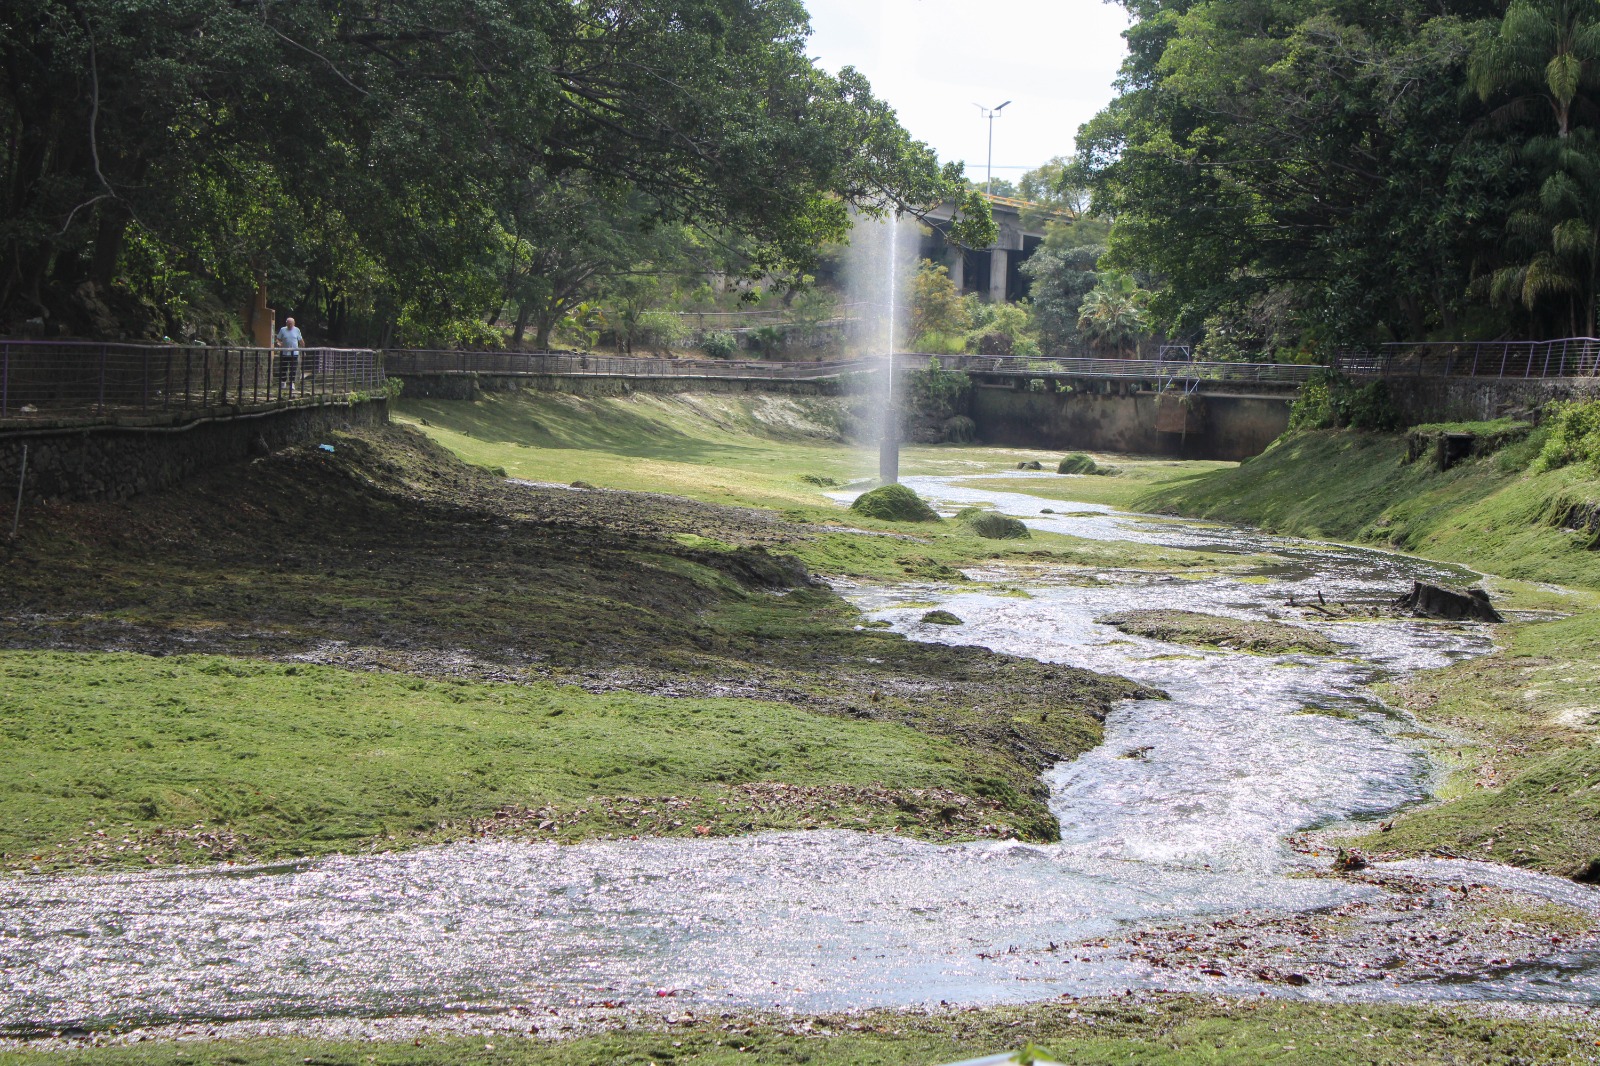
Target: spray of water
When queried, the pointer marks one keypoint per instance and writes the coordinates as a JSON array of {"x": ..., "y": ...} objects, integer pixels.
[
  {"x": 889, "y": 444},
  {"x": 879, "y": 253}
]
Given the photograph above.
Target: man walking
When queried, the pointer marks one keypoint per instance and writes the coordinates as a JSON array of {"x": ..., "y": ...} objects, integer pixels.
[{"x": 289, "y": 339}]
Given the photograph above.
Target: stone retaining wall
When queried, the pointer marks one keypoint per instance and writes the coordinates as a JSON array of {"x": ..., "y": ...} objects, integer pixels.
[
  {"x": 1483, "y": 399},
  {"x": 114, "y": 462}
]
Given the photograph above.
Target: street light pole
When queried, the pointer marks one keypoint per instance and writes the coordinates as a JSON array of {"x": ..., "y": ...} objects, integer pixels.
[{"x": 990, "y": 113}]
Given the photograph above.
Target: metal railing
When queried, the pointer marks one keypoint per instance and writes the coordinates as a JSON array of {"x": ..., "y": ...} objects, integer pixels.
[
  {"x": 41, "y": 380},
  {"x": 565, "y": 364},
  {"x": 1155, "y": 370},
  {"x": 1565, "y": 358},
  {"x": 568, "y": 364}
]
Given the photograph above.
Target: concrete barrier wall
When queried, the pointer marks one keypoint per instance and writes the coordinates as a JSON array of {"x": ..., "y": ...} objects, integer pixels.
[
  {"x": 466, "y": 386},
  {"x": 1424, "y": 400},
  {"x": 1227, "y": 427},
  {"x": 116, "y": 462}
]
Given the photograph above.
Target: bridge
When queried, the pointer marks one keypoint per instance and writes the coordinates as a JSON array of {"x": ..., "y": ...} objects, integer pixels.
[{"x": 995, "y": 270}]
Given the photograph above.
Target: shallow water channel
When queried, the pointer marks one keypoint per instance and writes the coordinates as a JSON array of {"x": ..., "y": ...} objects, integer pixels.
[{"x": 1181, "y": 813}]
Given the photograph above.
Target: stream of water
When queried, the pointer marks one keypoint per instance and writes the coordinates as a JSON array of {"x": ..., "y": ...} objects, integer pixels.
[{"x": 1243, "y": 753}]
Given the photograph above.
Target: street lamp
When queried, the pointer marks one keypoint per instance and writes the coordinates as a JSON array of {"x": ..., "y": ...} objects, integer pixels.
[{"x": 990, "y": 113}]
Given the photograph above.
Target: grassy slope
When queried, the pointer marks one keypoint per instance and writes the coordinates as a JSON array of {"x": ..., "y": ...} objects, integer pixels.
[
  {"x": 754, "y": 450},
  {"x": 1525, "y": 780},
  {"x": 389, "y": 554},
  {"x": 278, "y": 759},
  {"x": 1091, "y": 1033}
]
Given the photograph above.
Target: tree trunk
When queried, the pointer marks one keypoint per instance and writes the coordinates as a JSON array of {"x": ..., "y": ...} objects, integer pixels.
[{"x": 520, "y": 328}]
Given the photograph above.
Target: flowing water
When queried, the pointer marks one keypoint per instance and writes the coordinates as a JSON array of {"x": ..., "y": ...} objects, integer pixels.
[{"x": 1236, "y": 758}]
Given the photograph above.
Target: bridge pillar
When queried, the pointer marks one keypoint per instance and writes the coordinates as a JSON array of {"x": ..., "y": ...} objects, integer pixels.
[
  {"x": 998, "y": 267},
  {"x": 956, "y": 259}
]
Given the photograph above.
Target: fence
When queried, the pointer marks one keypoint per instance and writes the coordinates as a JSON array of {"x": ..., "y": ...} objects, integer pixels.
[
  {"x": 1140, "y": 369},
  {"x": 565, "y": 364},
  {"x": 1566, "y": 358},
  {"x": 53, "y": 379}
]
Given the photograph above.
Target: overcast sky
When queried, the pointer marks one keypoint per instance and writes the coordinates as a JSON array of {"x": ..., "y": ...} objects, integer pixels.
[{"x": 932, "y": 60}]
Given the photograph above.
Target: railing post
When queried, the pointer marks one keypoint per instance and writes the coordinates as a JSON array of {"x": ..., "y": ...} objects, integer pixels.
[
  {"x": 144, "y": 383},
  {"x": 5, "y": 381},
  {"x": 1505, "y": 353},
  {"x": 103, "y": 353}
]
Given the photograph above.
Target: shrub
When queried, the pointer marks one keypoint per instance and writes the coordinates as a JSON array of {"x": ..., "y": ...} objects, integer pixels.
[
  {"x": 960, "y": 430},
  {"x": 1572, "y": 436},
  {"x": 720, "y": 344},
  {"x": 894, "y": 503},
  {"x": 991, "y": 525},
  {"x": 659, "y": 331},
  {"x": 1329, "y": 400},
  {"x": 1078, "y": 463}
]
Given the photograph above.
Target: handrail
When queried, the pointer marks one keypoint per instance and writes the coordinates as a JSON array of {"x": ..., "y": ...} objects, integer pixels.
[
  {"x": 1567, "y": 357},
  {"x": 44, "y": 380}
]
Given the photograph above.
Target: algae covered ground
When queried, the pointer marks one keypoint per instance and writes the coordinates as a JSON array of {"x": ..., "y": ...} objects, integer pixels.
[
  {"x": 381, "y": 646},
  {"x": 1161, "y": 1030}
]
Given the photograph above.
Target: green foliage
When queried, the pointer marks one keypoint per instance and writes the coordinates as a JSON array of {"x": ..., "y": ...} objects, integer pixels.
[
  {"x": 720, "y": 344},
  {"x": 894, "y": 503},
  {"x": 1063, "y": 275},
  {"x": 936, "y": 306},
  {"x": 414, "y": 168},
  {"x": 1315, "y": 167},
  {"x": 936, "y": 391},
  {"x": 1112, "y": 315},
  {"x": 1330, "y": 400},
  {"x": 1572, "y": 436},
  {"x": 991, "y": 525},
  {"x": 1077, "y": 463}
]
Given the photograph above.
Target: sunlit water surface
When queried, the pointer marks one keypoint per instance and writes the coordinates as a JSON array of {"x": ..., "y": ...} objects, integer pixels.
[{"x": 1236, "y": 759}]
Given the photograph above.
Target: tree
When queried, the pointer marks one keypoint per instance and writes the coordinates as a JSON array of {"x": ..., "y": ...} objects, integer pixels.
[
  {"x": 231, "y": 141},
  {"x": 1548, "y": 51},
  {"x": 936, "y": 306},
  {"x": 1315, "y": 155},
  {"x": 1112, "y": 315}
]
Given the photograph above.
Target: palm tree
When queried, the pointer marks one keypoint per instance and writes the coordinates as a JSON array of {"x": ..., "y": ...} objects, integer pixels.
[
  {"x": 1546, "y": 49},
  {"x": 1549, "y": 51},
  {"x": 1113, "y": 312}
]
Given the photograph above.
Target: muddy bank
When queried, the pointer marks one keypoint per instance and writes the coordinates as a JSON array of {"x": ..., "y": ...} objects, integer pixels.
[
  {"x": 1214, "y": 631},
  {"x": 388, "y": 555}
]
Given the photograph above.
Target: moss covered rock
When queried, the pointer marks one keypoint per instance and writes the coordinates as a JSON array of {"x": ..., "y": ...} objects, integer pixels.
[
  {"x": 894, "y": 503},
  {"x": 1078, "y": 463},
  {"x": 941, "y": 618},
  {"x": 992, "y": 525}
]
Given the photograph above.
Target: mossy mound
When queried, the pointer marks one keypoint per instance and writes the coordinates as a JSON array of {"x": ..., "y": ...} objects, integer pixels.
[
  {"x": 1214, "y": 631},
  {"x": 991, "y": 525},
  {"x": 941, "y": 618},
  {"x": 1078, "y": 463},
  {"x": 894, "y": 503}
]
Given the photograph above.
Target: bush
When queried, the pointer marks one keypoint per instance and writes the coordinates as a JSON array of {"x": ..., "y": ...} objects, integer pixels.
[
  {"x": 894, "y": 503},
  {"x": 1078, "y": 463},
  {"x": 720, "y": 344},
  {"x": 1330, "y": 400},
  {"x": 659, "y": 331},
  {"x": 991, "y": 525},
  {"x": 960, "y": 430},
  {"x": 1572, "y": 436}
]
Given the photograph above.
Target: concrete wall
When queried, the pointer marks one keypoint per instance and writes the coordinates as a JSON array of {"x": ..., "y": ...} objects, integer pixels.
[
  {"x": 1483, "y": 399},
  {"x": 116, "y": 462},
  {"x": 1232, "y": 427},
  {"x": 467, "y": 386}
]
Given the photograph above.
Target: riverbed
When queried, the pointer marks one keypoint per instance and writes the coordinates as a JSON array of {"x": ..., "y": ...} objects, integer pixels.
[{"x": 1184, "y": 814}]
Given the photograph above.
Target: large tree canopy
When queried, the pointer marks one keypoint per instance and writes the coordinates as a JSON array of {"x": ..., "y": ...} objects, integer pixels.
[
  {"x": 374, "y": 151},
  {"x": 1321, "y": 172}
]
